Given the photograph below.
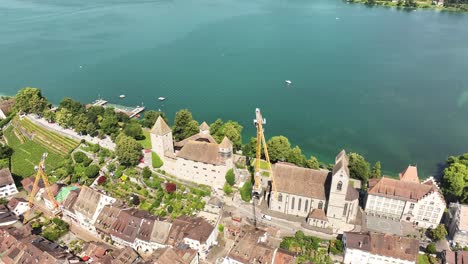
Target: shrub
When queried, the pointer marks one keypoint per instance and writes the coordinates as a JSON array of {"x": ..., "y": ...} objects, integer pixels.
[
  {"x": 336, "y": 247},
  {"x": 101, "y": 180},
  {"x": 221, "y": 228},
  {"x": 92, "y": 171},
  {"x": 227, "y": 189},
  {"x": 79, "y": 157},
  {"x": 246, "y": 191},
  {"x": 438, "y": 233},
  {"x": 170, "y": 187},
  {"x": 431, "y": 248},
  {"x": 230, "y": 177},
  {"x": 146, "y": 172},
  {"x": 156, "y": 160}
]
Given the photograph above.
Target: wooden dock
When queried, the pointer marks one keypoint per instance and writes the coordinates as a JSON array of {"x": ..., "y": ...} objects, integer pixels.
[
  {"x": 130, "y": 111},
  {"x": 136, "y": 111}
]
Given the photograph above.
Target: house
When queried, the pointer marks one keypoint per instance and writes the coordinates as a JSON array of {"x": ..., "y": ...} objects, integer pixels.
[
  {"x": 88, "y": 205},
  {"x": 7, "y": 184},
  {"x": 406, "y": 199},
  {"x": 152, "y": 235},
  {"x": 66, "y": 206},
  {"x": 324, "y": 198},
  {"x": 251, "y": 247},
  {"x": 170, "y": 255},
  {"x": 6, "y": 217},
  {"x": 18, "y": 206},
  {"x": 97, "y": 252},
  {"x": 282, "y": 256},
  {"x": 125, "y": 229},
  {"x": 457, "y": 223},
  {"x": 195, "y": 232},
  {"x": 5, "y": 108},
  {"x": 54, "y": 189},
  {"x": 457, "y": 257},
  {"x": 198, "y": 158},
  {"x": 28, "y": 184},
  {"x": 376, "y": 248},
  {"x": 125, "y": 255}
]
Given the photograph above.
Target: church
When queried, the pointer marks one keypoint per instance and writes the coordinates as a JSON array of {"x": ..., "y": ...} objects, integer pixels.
[
  {"x": 326, "y": 199},
  {"x": 198, "y": 158}
]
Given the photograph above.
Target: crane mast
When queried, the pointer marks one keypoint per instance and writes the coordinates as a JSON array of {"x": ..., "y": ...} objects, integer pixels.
[
  {"x": 259, "y": 121},
  {"x": 41, "y": 175}
]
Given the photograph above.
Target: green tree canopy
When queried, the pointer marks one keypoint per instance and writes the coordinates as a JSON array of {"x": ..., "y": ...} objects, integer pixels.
[
  {"x": 233, "y": 131},
  {"x": 215, "y": 129},
  {"x": 313, "y": 163},
  {"x": 91, "y": 171},
  {"x": 146, "y": 173},
  {"x": 295, "y": 156},
  {"x": 246, "y": 191},
  {"x": 359, "y": 168},
  {"x": 249, "y": 149},
  {"x": 438, "y": 233},
  {"x": 431, "y": 248},
  {"x": 376, "y": 171},
  {"x": 128, "y": 150},
  {"x": 150, "y": 118},
  {"x": 230, "y": 177},
  {"x": 134, "y": 130},
  {"x": 73, "y": 106},
  {"x": 455, "y": 180},
  {"x": 5, "y": 152},
  {"x": 278, "y": 148},
  {"x": 30, "y": 100},
  {"x": 184, "y": 125}
]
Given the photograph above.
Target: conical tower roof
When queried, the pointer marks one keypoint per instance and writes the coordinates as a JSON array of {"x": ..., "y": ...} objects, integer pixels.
[
  {"x": 160, "y": 127},
  {"x": 204, "y": 126},
  {"x": 226, "y": 143}
]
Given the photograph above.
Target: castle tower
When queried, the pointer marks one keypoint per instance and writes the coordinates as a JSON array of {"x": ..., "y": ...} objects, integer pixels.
[
  {"x": 204, "y": 129},
  {"x": 161, "y": 138},
  {"x": 225, "y": 151},
  {"x": 337, "y": 208}
]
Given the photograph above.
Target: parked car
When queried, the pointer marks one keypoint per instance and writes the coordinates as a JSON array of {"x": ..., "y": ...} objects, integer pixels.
[{"x": 266, "y": 217}]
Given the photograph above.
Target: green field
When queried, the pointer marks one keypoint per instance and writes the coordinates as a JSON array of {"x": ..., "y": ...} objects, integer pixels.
[
  {"x": 146, "y": 143},
  {"x": 28, "y": 153},
  {"x": 263, "y": 164}
]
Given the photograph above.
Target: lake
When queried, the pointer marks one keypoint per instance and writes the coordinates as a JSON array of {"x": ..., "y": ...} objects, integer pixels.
[{"x": 389, "y": 84}]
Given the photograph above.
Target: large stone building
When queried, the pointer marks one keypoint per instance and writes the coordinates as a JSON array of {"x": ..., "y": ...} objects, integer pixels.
[
  {"x": 406, "y": 199},
  {"x": 324, "y": 197},
  {"x": 198, "y": 158},
  {"x": 377, "y": 248},
  {"x": 457, "y": 223}
]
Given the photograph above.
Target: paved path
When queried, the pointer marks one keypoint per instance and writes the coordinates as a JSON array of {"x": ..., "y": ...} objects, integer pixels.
[{"x": 106, "y": 142}]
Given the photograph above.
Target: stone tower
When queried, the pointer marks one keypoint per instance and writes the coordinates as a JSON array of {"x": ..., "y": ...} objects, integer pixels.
[
  {"x": 161, "y": 138},
  {"x": 337, "y": 208}
]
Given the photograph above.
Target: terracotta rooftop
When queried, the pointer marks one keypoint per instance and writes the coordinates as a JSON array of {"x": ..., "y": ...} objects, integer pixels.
[
  {"x": 462, "y": 257},
  {"x": 249, "y": 248},
  {"x": 14, "y": 202},
  {"x": 87, "y": 202},
  {"x": 125, "y": 256},
  {"x": 284, "y": 257},
  {"x": 400, "y": 189},
  {"x": 128, "y": 224},
  {"x": 300, "y": 181},
  {"x": 5, "y": 177},
  {"x": 195, "y": 228},
  {"x": 160, "y": 127},
  {"x": 318, "y": 214},
  {"x": 160, "y": 231},
  {"x": 172, "y": 256},
  {"x": 100, "y": 252},
  {"x": 107, "y": 217},
  {"x": 71, "y": 200},
  {"x": 201, "y": 152},
  {"x": 384, "y": 244},
  {"x": 28, "y": 183},
  {"x": 410, "y": 174}
]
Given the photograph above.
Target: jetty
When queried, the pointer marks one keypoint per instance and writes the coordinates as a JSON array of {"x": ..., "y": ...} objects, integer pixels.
[
  {"x": 129, "y": 111},
  {"x": 100, "y": 102}
]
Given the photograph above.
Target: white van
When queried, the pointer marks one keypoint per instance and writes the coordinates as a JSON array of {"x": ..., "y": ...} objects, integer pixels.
[{"x": 266, "y": 217}]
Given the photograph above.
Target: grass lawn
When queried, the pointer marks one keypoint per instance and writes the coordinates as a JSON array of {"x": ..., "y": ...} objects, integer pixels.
[
  {"x": 156, "y": 160},
  {"x": 146, "y": 143},
  {"x": 263, "y": 164},
  {"x": 28, "y": 154}
]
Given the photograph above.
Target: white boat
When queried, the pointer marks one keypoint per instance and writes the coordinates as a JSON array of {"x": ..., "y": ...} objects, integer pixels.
[
  {"x": 288, "y": 82},
  {"x": 122, "y": 96},
  {"x": 161, "y": 98}
]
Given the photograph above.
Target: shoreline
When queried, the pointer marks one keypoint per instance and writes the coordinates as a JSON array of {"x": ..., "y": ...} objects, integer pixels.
[{"x": 419, "y": 5}]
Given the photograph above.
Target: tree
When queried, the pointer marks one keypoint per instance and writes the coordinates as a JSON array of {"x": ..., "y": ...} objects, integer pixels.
[
  {"x": 30, "y": 100},
  {"x": 109, "y": 124},
  {"x": 150, "y": 118},
  {"x": 246, "y": 191},
  {"x": 79, "y": 157},
  {"x": 133, "y": 129},
  {"x": 101, "y": 180},
  {"x": 313, "y": 163},
  {"x": 431, "y": 248},
  {"x": 146, "y": 173},
  {"x": 215, "y": 129},
  {"x": 49, "y": 115},
  {"x": 91, "y": 129},
  {"x": 73, "y": 106},
  {"x": 456, "y": 181},
  {"x": 170, "y": 187},
  {"x": 250, "y": 148},
  {"x": 233, "y": 131},
  {"x": 91, "y": 171},
  {"x": 128, "y": 150},
  {"x": 278, "y": 148},
  {"x": 359, "y": 168},
  {"x": 230, "y": 177},
  {"x": 5, "y": 152},
  {"x": 64, "y": 117},
  {"x": 438, "y": 233},
  {"x": 184, "y": 125},
  {"x": 295, "y": 156},
  {"x": 376, "y": 173},
  {"x": 227, "y": 189},
  {"x": 80, "y": 123}
]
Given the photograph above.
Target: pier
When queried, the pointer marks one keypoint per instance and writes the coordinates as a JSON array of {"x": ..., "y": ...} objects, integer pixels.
[
  {"x": 100, "y": 102},
  {"x": 130, "y": 111}
]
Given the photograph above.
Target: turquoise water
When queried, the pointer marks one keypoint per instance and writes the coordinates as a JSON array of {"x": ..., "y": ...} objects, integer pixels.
[{"x": 390, "y": 84}]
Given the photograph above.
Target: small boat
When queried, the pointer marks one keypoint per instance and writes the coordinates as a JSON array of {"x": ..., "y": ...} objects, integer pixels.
[
  {"x": 122, "y": 96},
  {"x": 161, "y": 98},
  {"x": 288, "y": 82}
]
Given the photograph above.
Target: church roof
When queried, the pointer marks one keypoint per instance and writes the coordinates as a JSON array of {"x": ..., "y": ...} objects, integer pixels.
[
  {"x": 410, "y": 174},
  {"x": 300, "y": 181},
  {"x": 160, "y": 127},
  {"x": 204, "y": 126},
  {"x": 226, "y": 143}
]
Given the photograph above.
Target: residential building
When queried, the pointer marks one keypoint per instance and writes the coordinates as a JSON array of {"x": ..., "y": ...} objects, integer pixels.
[
  {"x": 282, "y": 256},
  {"x": 125, "y": 229},
  {"x": 7, "y": 184},
  {"x": 6, "y": 217},
  {"x": 454, "y": 257},
  {"x": 68, "y": 213},
  {"x": 457, "y": 223},
  {"x": 406, "y": 199},
  {"x": 198, "y": 158},
  {"x": 173, "y": 256},
  {"x": 324, "y": 197},
  {"x": 378, "y": 248},
  {"x": 106, "y": 219},
  {"x": 54, "y": 189},
  {"x": 88, "y": 205},
  {"x": 97, "y": 252},
  {"x": 250, "y": 247},
  {"x": 28, "y": 184},
  {"x": 18, "y": 206}
]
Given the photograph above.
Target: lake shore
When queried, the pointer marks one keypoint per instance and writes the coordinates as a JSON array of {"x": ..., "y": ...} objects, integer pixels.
[{"x": 418, "y": 5}]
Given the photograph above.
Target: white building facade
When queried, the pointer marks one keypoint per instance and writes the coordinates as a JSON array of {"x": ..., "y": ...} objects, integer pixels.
[
  {"x": 7, "y": 184},
  {"x": 457, "y": 223}
]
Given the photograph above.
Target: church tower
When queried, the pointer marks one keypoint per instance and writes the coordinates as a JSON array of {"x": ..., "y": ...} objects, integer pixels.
[
  {"x": 337, "y": 208},
  {"x": 161, "y": 138}
]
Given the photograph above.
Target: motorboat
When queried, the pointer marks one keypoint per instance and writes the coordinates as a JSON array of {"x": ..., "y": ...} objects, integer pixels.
[
  {"x": 288, "y": 82},
  {"x": 122, "y": 96},
  {"x": 161, "y": 98}
]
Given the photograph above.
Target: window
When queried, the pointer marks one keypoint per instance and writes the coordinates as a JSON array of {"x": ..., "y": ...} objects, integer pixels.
[
  {"x": 411, "y": 206},
  {"x": 280, "y": 197},
  {"x": 345, "y": 209},
  {"x": 299, "y": 204},
  {"x": 292, "y": 203},
  {"x": 339, "y": 186},
  {"x": 306, "y": 205},
  {"x": 320, "y": 205}
]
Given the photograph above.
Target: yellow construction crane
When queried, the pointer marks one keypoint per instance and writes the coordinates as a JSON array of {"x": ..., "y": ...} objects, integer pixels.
[
  {"x": 259, "y": 121},
  {"x": 41, "y": 175}
]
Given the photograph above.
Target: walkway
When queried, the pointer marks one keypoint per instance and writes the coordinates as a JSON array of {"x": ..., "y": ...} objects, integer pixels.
[{"x": 106, "y": 142}]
